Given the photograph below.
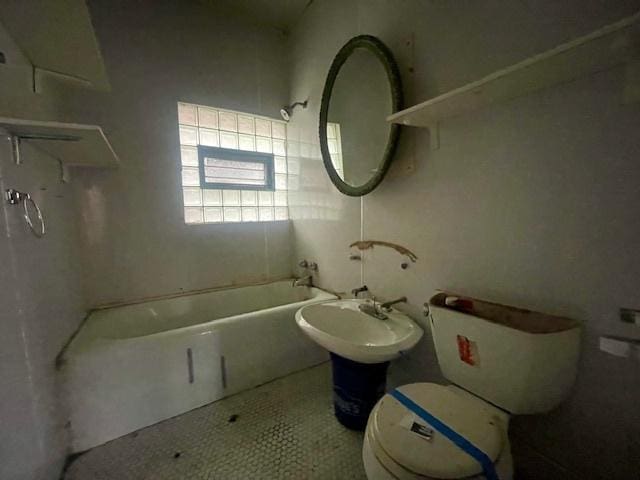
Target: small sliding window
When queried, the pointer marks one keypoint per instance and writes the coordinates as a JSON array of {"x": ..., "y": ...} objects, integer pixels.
[{"x": 222, "y": 168}]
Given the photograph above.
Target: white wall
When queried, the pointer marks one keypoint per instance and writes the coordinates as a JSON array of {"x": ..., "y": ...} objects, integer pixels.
[
  {"x": 42, "y": 305},
  {"x": 135, "y": 242},
  {"x": 533, "y": 202},
  {"x": 40, "y": 292},
  {"x": 119, "y": 235}
]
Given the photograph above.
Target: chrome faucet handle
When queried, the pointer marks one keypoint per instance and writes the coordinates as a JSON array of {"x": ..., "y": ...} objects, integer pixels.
[
  {"x": 386, "y": 306},
  {"x": 356, "y": 291},
  {"x": 304, "y": 263},
  {"x": 372, "y": 309}
]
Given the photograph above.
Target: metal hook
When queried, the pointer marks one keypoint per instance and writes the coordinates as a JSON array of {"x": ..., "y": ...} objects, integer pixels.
[{"x": 14, "y": 197}]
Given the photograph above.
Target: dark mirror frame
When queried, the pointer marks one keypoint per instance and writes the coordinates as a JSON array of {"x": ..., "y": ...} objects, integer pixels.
[{"x": 385, "y": 56}]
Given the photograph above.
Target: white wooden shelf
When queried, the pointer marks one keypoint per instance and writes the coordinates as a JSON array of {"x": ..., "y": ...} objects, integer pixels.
[
  {"x": 73, "y": 145},
  {"x": 56, "y": 37},
  {"x": 600, "y": 50}
]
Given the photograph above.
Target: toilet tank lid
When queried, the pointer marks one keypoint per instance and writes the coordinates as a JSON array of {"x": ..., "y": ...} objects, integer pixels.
[
  {"x": 528, "y": 321},
  {"x": 401, "y": 434}
]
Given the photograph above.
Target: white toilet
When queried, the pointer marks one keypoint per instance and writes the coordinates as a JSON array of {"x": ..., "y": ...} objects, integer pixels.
[{"x": 502, "y": 361}]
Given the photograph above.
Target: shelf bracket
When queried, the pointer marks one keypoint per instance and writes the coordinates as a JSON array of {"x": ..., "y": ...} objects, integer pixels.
[
  {"x": 15, "y": 149},
  {"x": 65, "y": 175},
  {"x": 41, "y": 74},
  {"x": 16, "y": 142}
]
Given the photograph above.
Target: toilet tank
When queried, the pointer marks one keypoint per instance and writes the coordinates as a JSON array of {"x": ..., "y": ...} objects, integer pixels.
[{"x": 524, "y": 362}]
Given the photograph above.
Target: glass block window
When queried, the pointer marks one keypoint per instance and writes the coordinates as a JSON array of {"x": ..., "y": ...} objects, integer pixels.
[
  {"x": 234, "y": 166},
  {"x": 334, "y": 142}
]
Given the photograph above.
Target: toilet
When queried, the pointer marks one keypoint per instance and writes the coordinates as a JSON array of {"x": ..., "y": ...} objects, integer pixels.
[{"x": 501, "y": 361}]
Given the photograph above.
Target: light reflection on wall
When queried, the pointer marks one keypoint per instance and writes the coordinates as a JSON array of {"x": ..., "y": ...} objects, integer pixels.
[
  {"x": 93, "y": 211},
  {"x": 315, "y": 197}
]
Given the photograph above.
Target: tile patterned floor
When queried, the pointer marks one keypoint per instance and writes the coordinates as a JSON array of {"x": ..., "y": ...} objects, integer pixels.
[{"x": 283, "y": 430}]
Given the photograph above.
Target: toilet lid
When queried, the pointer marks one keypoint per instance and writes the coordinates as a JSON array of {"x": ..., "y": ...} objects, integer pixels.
[{"x": 421, "y": 449}]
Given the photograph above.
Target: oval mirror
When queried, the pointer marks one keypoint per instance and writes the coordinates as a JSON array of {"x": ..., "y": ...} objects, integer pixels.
[{"x": 357, "y": 143}]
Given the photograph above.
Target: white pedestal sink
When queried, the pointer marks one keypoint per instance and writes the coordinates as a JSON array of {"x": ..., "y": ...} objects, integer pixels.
[
  {"x": 361, "y": 346},
  {"x": 340, "y": 327}
]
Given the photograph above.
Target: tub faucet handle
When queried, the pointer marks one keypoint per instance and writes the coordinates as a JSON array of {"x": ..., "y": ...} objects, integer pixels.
[{"x": 304, "y": 263}]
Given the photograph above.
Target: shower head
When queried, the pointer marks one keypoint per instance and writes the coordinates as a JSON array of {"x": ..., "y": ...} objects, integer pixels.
[
  {"x": 287, "y": 110},
  {"x": 285, "y": 113}
]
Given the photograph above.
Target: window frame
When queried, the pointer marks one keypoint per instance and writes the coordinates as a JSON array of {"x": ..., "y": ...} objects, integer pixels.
[{"x": 267, "y": 159}]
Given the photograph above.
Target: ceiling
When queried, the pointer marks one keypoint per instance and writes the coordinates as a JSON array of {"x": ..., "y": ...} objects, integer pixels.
[{"x": 281, "y": 14}]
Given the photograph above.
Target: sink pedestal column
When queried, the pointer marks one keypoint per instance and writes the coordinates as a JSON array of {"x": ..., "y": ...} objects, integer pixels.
[{"x": 356, "y": 389}]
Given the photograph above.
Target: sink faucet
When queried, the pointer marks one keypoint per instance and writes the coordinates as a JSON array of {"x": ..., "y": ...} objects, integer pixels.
[
  {"x": 303, "y": 282},
  {"x": 372, "y": 309},
  {"x": 378, "y": 310}
]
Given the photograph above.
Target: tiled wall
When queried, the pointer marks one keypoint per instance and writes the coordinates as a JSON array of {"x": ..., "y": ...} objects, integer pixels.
[
  {"x": 135, "y": 240},
  {"x": 531, "y": 202}
]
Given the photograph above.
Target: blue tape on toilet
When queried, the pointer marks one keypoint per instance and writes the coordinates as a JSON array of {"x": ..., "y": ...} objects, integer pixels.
[{"x": 465, "y": 445}]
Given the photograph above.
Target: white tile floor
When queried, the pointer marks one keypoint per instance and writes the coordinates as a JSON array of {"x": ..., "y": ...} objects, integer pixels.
[{"x": 284, "y": 430}]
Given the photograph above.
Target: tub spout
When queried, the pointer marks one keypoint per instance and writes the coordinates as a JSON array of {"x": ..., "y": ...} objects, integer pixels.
[{"x": 303, "y": 282}]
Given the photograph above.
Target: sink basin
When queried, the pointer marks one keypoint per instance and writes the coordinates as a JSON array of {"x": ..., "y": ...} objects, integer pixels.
[{"x": 340, "y": 327}]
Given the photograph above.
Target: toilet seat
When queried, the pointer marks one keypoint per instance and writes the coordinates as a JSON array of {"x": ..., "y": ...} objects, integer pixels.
[{"x": 396, "y": 436}]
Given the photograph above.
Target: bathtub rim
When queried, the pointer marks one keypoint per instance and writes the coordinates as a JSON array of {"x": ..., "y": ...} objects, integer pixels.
[
  {"x": 220, "y": 321},
  {"x": 199, "y": 291},
  {"x": 67, "y": 349}
]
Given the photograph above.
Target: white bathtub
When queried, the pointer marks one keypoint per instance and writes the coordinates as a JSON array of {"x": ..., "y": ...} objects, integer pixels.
[{"x": 131, "y": 366}]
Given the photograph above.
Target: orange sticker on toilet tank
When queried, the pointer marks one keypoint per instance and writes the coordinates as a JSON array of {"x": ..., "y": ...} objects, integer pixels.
[{"x": 467, "y": 350}]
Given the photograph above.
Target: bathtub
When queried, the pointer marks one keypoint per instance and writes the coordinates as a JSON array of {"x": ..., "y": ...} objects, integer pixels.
[{"x": 132, "y": 366}]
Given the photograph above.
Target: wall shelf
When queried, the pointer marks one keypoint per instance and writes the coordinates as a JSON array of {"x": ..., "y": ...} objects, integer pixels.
[
  {"x": 73, "y": 145},
  {"x": 600, "y": 50},
  {"x": 56, "y": 37}
]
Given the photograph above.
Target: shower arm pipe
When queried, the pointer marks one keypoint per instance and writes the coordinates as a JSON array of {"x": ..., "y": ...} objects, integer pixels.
[
  {"x": 287, "y": 110},
  {"x": 367, "y": 244}
]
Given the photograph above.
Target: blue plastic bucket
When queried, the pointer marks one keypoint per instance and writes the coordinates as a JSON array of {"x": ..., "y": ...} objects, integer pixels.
[{"x": 356, "y": 389}]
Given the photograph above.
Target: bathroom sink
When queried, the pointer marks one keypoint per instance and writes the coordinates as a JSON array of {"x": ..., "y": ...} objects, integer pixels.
[{"x": 340, "y": 327}]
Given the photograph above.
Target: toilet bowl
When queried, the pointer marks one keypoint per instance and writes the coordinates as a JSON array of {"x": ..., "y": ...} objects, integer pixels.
[
  {"x": 501, "y": 361},
  {"x": 400, "y": 445}
]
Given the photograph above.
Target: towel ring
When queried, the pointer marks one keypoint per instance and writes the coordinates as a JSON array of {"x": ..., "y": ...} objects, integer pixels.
[
  {"x": 15, "y": 197},
  {"x": 38, "y": 232}
]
